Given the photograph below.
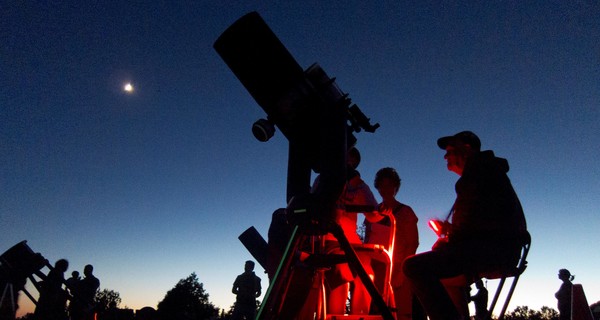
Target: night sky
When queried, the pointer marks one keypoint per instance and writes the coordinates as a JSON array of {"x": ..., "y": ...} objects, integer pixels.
[{"x": 156, "y": 183}]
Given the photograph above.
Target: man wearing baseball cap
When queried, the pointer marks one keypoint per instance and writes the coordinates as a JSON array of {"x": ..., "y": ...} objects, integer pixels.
[{"x": 483, "y": 232}]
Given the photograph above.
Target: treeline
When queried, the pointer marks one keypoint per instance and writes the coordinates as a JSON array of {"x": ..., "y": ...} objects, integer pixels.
[{"x": 188, "y": 300}]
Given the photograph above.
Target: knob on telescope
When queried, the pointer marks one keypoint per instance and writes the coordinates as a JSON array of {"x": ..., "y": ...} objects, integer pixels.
[{"x": 263, "y": 130}]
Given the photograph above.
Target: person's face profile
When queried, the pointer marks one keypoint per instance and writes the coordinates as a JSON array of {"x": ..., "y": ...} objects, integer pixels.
[
  {"x": 456, "y": 157},
  {"x": 386, "y": 188}
]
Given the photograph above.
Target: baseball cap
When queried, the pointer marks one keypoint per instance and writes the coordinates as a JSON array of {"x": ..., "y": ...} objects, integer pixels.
[{"x": 466, "y": 137}]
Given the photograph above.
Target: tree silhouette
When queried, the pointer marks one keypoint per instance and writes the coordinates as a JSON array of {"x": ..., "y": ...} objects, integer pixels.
[
  {"x": 524, "y": 313},
  {"x": 187, "y": 301},
  {"x": 548, "y": 313},
  {"x": 225, "y": 315},
  {"x": 105, "y": 298}
]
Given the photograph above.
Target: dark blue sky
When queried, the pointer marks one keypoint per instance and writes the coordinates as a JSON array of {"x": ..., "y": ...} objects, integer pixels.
[{"x": 154, "y": 185}]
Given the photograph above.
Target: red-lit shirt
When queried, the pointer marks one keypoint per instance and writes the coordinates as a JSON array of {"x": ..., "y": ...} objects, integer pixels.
[{"x": 356, "y": 193}]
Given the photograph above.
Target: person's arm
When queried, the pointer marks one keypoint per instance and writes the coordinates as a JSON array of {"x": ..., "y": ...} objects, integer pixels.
[
  {"x": 258, "y": 287},
  {"x": 376, "y": 216},
  {"x": 365, "y": 198},
  {"x": 236, "y": 287}
]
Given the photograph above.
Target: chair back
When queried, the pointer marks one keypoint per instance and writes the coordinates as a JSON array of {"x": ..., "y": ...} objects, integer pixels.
[
  {"x": 382, "y": 237},
  {"x": 514, "y": 272}
]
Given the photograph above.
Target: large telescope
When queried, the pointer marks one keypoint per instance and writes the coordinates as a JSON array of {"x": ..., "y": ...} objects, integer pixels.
[
  {"x": 17, "y": 264},
  {"x": 319, "y": 120},
  {"x": 307, "y": 106}
]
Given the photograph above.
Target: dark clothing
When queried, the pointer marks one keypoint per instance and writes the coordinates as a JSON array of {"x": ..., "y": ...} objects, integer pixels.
[
  {"x": 53, "y": 299},
  {"x": 484, "y": 235},
  {"x": 486, "y": 204},
  {"x": 83, "y": 306},
  {"x": 88, "y": 287},
  {"x": 247, "y": 288},
  {"x": 564, "y": 297},
  {"x": 480, "y": 300},
  {"x": 72, "y": 284}
]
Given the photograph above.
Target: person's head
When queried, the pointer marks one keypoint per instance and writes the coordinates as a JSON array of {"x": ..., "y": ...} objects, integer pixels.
[
  {"x": 565, "y": 275},
  {"x": 88, "y": 270},
  {"x": 75, "y": 274},
  {"x": 61, "y": 265},
  {"x": 459, "y": 148},
  {"x": 479, "y": 284},
  {"x": 387, "y": 182},
  {"x": 353, "y": 158},
  {"x": 249, "y": 265}
]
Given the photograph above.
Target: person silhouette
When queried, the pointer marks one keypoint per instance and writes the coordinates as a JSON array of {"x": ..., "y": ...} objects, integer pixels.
[
  {"x": 247, "y": 288},
  {"x": 83, "y": 304},
  {"x": 73, "y": 281},
  {"x": 564, "y": 294},
  {"x": 406, "y": 236},
  {"x": 53, "y": 298},
  {"x": 485, "y": 233},
  {"x": 480, "y": 300},
  {"x": 72, "y": 287},
  {"x": 356, "y": 193}
]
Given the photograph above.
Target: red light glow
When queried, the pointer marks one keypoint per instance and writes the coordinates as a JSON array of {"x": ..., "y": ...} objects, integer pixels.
[{"x": 436, "y": 226}]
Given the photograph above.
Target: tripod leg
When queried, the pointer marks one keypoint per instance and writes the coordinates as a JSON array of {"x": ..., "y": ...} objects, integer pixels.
[
  {"x": 275, "y": 296},
  {"x": 357, "y": 266},
  {"x": 29, "y": 296},
  {"x": 9, "y": 288}
]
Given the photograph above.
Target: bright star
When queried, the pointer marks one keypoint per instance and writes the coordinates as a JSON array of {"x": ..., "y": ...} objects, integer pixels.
[{"x": 128, "y": 88}]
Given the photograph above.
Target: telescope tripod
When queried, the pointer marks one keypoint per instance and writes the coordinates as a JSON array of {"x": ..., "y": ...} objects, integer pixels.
[
  {"x": 297, "y": 291},
  {"x": 8, "y": 288}
]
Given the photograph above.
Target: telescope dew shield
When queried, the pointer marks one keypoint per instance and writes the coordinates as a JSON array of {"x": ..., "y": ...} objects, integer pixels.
[
  {"x": 261, "y": 62},
  {"x": 256, "y": 245}
]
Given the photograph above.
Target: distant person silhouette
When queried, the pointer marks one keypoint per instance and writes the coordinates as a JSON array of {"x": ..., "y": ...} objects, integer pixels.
[
  {"x": 53, "y": 299},
  {"x": 83, "y": 306},
  {"x": 406, "y": 236},
  {"x": 73, "y": 281},
  {"x": 480, "y": 300},
  {"x": 485, "y": 233},
  {"x": 247, "y": 288},
  {"x": 564, "y": 294},
  {"x": 72, "y": 286}
]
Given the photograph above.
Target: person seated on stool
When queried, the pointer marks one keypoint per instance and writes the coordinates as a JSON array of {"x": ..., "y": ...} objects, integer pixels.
[{"x": 485, "y": 231}]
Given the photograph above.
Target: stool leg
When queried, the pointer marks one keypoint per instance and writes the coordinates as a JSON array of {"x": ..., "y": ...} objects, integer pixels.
[
  {"x": 508, "y": 297},
  {"x": 496, "y": 296}
]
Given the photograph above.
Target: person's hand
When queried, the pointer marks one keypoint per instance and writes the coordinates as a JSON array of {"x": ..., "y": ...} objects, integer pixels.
[
  {"x": 386, "y": 213},
  {"x": 440, "y": 243},
  {"x": 440, "y": 227}
]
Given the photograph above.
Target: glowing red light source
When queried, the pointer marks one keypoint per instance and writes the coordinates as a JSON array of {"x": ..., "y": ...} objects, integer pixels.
[{"x": 436, "y": 226}]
